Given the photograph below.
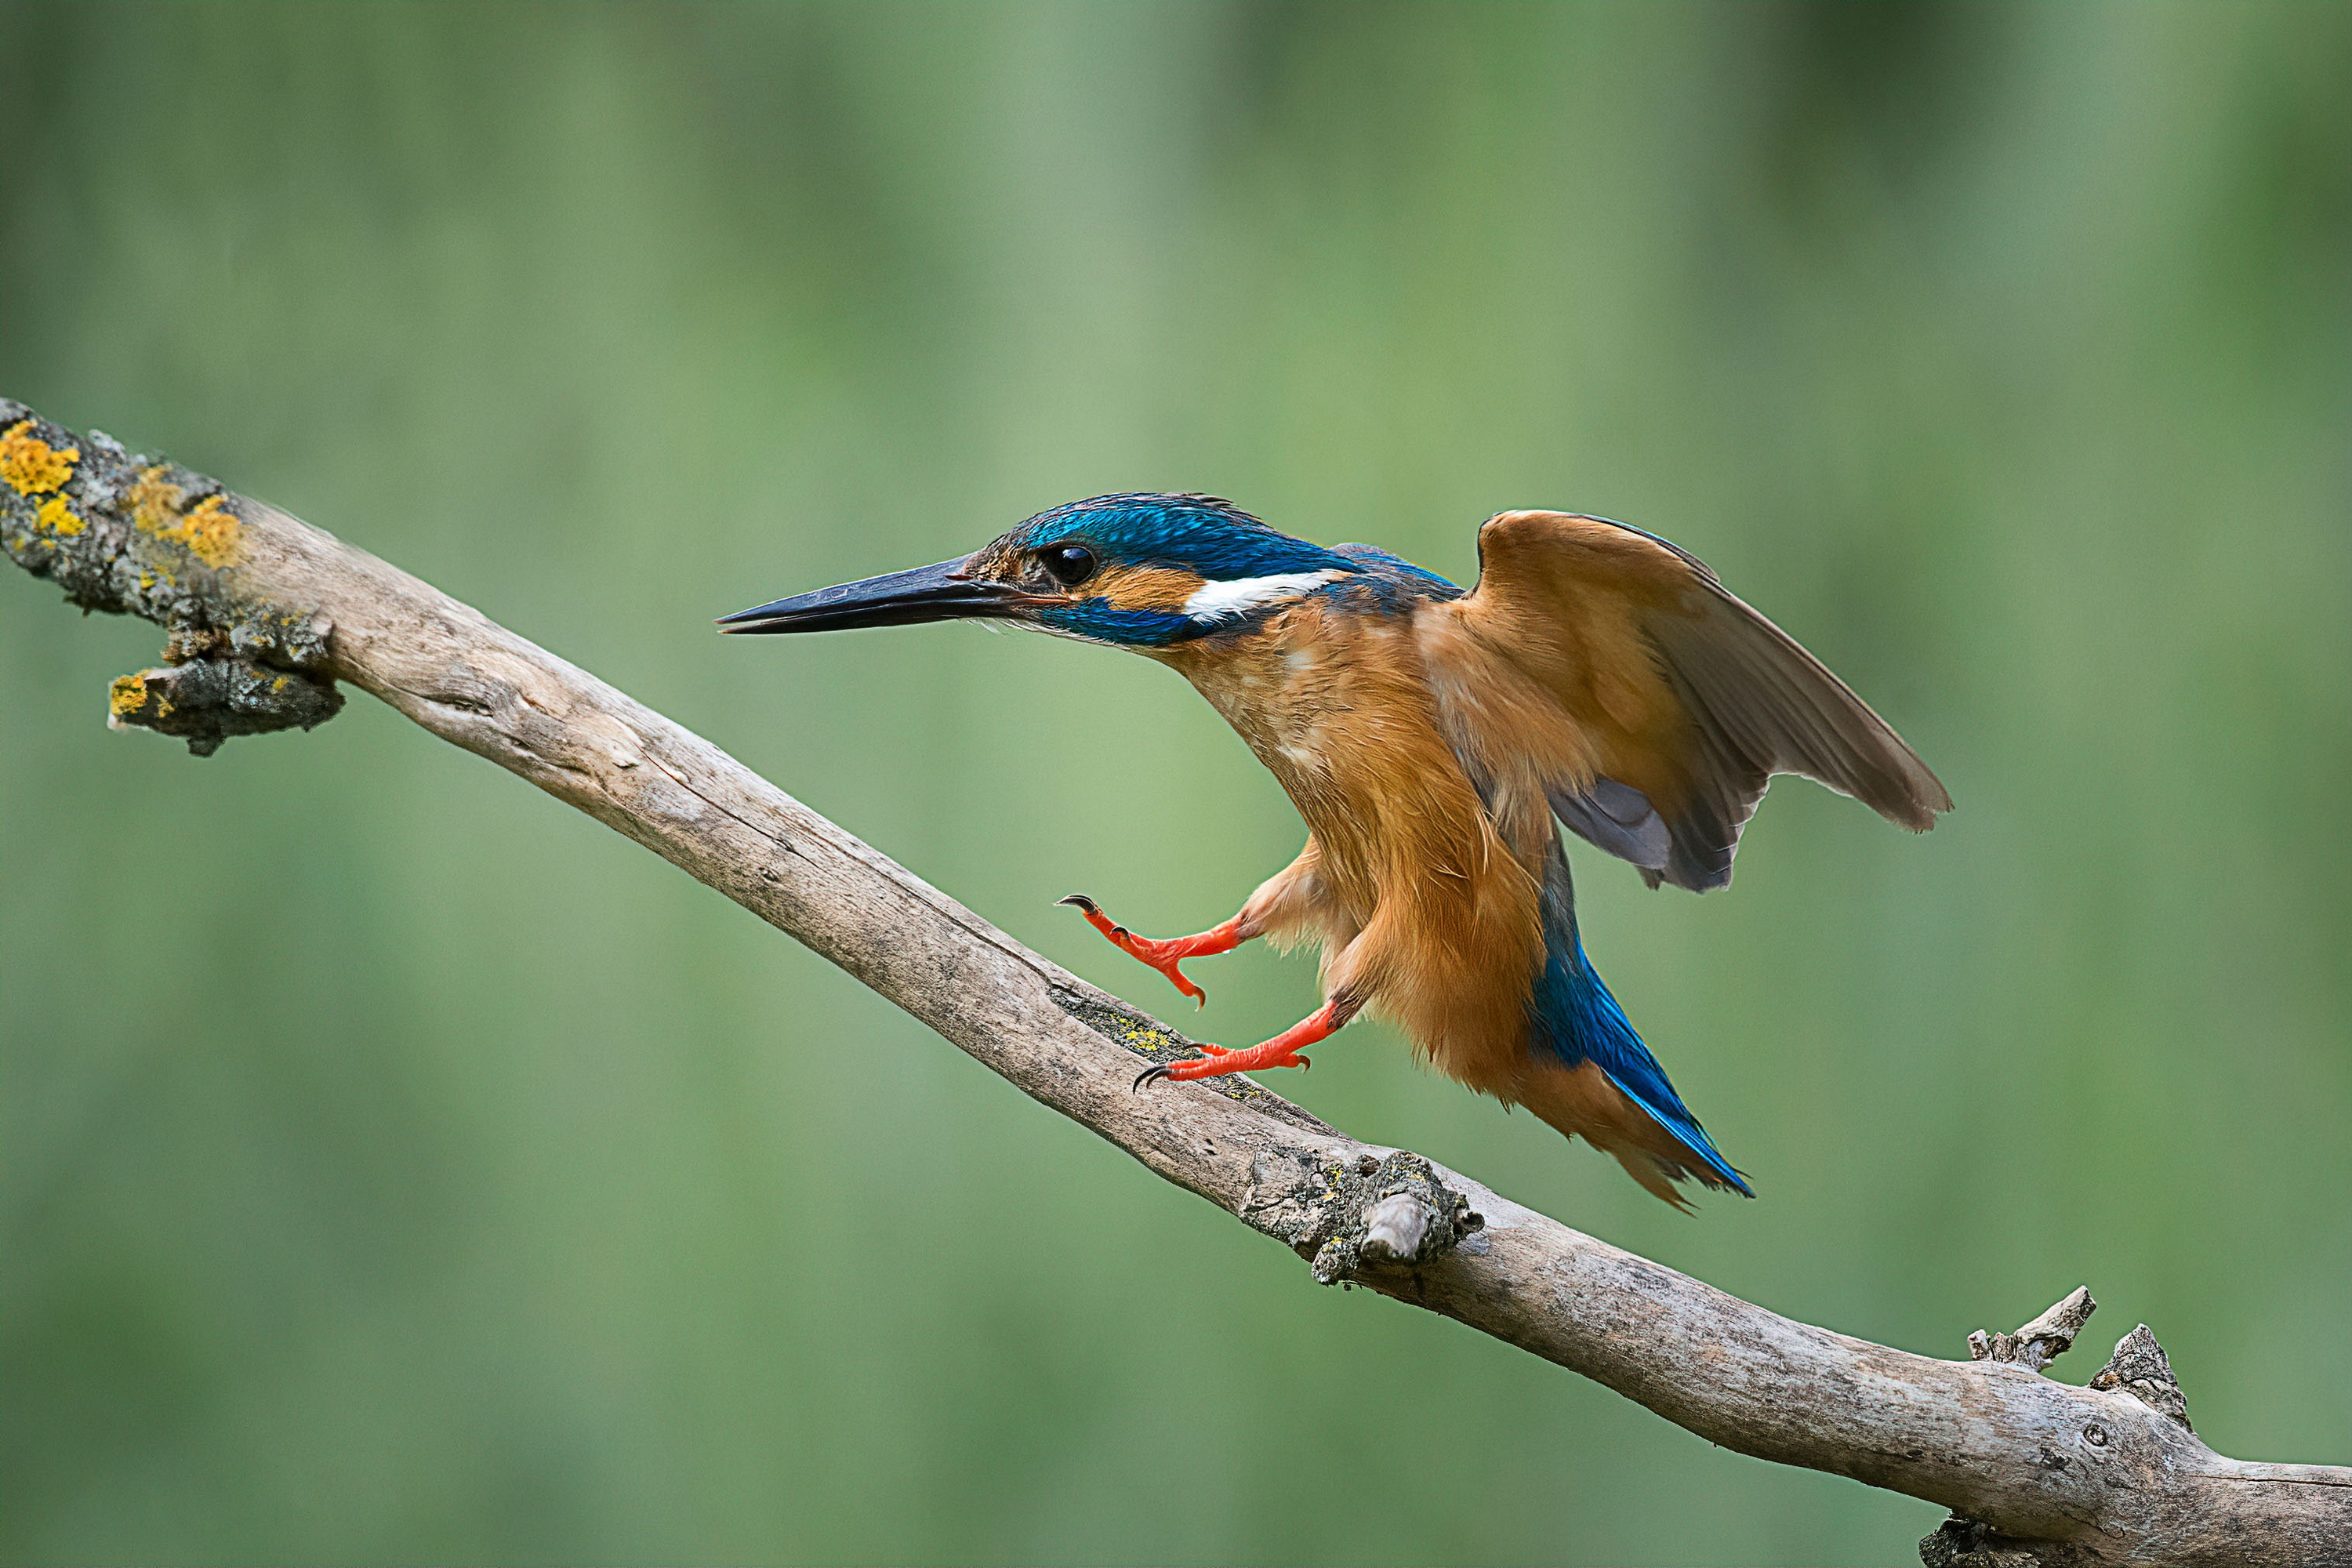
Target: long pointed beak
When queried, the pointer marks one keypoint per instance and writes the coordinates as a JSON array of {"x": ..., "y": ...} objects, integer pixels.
[{"x": 938, "y": 593}]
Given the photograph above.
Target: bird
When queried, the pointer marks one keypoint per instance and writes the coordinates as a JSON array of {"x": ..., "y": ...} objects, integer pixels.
[{"x": 1435, "y": 741}]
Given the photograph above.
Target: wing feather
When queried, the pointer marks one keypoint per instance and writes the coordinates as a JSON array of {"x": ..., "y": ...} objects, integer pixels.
[{"x": 1681, "y": 701}]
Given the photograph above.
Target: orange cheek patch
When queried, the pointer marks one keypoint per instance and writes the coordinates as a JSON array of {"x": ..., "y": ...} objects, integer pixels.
[{"x": 1144, "y": 587}]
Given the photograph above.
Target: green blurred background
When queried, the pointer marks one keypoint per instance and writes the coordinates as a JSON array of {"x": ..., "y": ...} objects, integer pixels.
[{"x": 400, "y": 1167}]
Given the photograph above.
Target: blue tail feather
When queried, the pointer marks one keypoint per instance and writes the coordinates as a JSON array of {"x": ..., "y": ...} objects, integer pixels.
[{"x": 1574, "y": 1017}]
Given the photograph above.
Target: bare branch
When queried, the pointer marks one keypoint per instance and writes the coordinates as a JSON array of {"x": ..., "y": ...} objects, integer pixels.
[{"x": 266, "y": 613}]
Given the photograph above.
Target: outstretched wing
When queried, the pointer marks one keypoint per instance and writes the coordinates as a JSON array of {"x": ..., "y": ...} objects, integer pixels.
[{"x": 1612, "y": 673}]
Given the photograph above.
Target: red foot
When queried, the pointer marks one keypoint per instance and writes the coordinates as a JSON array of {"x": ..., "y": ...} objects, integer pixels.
[
  {"x": 1163, "y": 956},
  {"x": 1282, "y": 1051}
]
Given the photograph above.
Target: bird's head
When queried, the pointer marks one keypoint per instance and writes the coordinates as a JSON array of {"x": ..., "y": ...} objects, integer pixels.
[{"x": 1136, "y": 570}]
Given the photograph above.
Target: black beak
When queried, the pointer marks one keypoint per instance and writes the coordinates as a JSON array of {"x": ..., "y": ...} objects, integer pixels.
[{"x": 939, "y": 592}]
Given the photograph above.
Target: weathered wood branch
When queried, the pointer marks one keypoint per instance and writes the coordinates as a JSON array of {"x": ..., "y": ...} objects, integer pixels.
[{"x": 266, "y": 614}]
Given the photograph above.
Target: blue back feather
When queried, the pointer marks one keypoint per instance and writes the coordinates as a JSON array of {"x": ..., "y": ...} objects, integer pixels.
[
  {"x": 1390, "y": 582},
  {"x": 1574, "y": 1017}
]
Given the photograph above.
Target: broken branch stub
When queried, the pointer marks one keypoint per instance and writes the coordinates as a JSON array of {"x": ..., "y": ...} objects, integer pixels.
[{"x": 2045, "y": 1339}]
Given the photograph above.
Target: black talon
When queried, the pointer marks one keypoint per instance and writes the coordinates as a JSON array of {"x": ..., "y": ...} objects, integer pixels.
[
  {"x": 1092, "y": 907},
  {"x": 1149, "y": 1075}
]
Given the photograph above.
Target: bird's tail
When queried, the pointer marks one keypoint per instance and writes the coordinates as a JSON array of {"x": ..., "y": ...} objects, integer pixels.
[{"x": 1606, "y": 1085}]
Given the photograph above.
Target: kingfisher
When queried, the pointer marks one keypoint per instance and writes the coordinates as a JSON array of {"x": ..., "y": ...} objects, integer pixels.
[{"x": 1596, "y": 676}]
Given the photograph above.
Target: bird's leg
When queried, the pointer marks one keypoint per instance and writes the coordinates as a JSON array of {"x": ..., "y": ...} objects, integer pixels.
[
  {"x": 1164, "y": 955},
  {"x": 1282, "y": 1051}
]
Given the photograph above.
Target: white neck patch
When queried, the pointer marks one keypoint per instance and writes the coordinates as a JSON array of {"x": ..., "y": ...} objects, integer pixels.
[{"x": 1220, "y": 601}]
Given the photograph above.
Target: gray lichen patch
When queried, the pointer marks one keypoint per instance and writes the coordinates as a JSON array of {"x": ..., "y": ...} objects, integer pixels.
[
  {"x": 2141, "y": 1369},
  {"x": 1137, "y": 1031},
  {"x": 130, "y": 535},
  {"x": 1965, "y": 1543}
]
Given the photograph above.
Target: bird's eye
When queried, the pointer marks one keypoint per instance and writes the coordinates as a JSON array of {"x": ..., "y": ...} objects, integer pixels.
[{"x": 1071, "y": 564}]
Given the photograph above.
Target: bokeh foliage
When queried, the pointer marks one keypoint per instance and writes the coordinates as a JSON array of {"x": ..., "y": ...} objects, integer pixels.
[{"x": 394, "y": 1165}]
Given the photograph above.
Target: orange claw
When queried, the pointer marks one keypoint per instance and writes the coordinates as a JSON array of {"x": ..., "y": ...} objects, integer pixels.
[
  {"x": 1164, "y": 955},
  {"x": 1282, "y": 1051}
]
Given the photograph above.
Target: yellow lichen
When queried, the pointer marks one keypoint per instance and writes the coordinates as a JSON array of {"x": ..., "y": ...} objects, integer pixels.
[
  {"x": 155, "y": 502},
  {"x": 210, "y": 530},
  {"x": 30, "y": 464},
  {"x": 128, "y": 695},
  {"x": 56, "y": 517}
]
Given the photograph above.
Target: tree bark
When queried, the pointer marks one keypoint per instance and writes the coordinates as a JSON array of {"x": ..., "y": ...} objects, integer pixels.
[{"x": 266, "y": 614}]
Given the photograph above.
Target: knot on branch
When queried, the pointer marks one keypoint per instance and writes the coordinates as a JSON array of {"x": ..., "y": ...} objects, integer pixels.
[
  {"x": 2038, "y": 1344},
  {"x": 2141, "y": 1369},
  {"x": 1391, "y": 1211},
  {"x": 130, "y": 535}
]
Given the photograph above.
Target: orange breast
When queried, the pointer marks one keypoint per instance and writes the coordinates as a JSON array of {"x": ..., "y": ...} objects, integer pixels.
[{"x": 1449, "y": 935}]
